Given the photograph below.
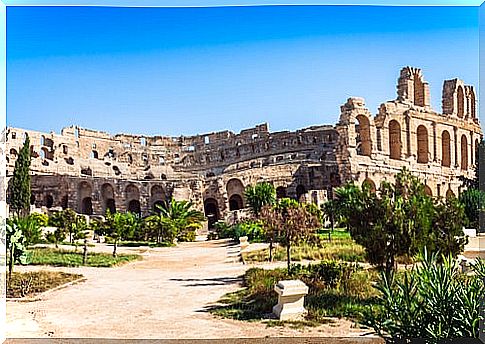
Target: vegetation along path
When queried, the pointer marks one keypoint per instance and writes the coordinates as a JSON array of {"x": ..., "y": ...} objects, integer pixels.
[{"x": 165, "y": 295}]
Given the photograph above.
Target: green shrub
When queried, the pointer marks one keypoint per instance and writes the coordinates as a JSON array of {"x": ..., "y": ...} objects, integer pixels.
[
  {"x": 252, "y": 229},
  {"x": 434, "y": 301},
  {"x": 42, "y": 220}
]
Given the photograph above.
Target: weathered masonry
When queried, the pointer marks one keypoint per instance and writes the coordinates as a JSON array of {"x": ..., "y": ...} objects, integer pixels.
[{"x": 92, "y": 171}]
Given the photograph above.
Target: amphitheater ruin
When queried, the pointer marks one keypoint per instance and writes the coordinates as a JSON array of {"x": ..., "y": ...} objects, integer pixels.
[{"x": 92, "y": 171}]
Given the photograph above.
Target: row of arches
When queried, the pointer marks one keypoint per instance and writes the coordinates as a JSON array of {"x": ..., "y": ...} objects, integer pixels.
[
  {"x": 364, "y": 143},
  {"x": 108, "y": 198},
  {"x": 427, "y": 189}
]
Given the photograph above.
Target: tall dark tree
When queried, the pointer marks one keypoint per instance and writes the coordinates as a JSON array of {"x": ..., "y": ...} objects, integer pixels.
[{"x": 19, "y": 188}]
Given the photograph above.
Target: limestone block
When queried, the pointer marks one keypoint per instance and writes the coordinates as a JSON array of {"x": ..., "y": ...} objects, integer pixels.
[
  {"x": 291, "y": 297},
  {"x": 243, "y": 242},
  {"x": 470, "y": 232}
]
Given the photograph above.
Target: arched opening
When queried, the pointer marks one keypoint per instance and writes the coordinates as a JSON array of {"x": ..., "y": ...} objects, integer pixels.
[
  {"x": 235, "y": 187},
  {"x": 132, "y": 192},
  {"x": 423, "y": 149},
  {"x": 32, "y": 199},
  {"x": 64, "y": 202},
  {"x": 211, "y": 210},
  {"x": 473, "y": 112},
  {"x": 428, "y": 191},
  {"x": 363, "y": 138},
  {"x": 460, "y": 100},
  {"x": 13, "y": 153},
  {"x": 300, "y": 191},
  {"x": 110, "y": 205},
  {"x": 280, "y": 192},
  {"x": 49, "y": 201},
  {"x": 445, "y": 149},
  {"x": 235, "y": 202},
  {"x": 134, "y": 206},
  {"x": 84, "y": 192},
  {"x": 156, "y": 206},
  {"x": 464, "y": 153},
  {"x": 370, "y": 184},
  {"x": 450, "y": 194},
  {"x": 157, "y": 196},
  {"x": 394, "y": 140},
  {"x": 108, "y": 196},
  {"x": 87, "y": 206}
]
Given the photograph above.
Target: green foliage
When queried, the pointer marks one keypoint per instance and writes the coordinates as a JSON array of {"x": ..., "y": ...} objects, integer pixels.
[
  {"x": 177, "y": 219},
  {"x": 67, "y": 222},
  {"x": 400, "y": 220},
  {"x": 42, "y": 220},
  {"x": 473, "y": 200},
  {"x": 16, "y": 246},
  {"x": 335, "y": 289},
  {"x": 250, "y": 228},
  {"x": 19, "y": 187},
  {"x": 433, "y": 301},
  {"x": 31, "y": 231},
  {"x": 259, "y": 195}
]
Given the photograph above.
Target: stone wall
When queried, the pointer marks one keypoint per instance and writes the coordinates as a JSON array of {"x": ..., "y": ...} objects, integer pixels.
[{"x": 91, "y": 171}]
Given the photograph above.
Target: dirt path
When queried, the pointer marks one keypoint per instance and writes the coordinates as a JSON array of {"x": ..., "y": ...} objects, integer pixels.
[{"x": 162, "y": 296}]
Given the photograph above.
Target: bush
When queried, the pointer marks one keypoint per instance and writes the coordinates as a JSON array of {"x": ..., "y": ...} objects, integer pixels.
[
  {"x": 42, "y": 220},
  {"x": 433, "y": 301},
  {"x": 252, "y": 229}
]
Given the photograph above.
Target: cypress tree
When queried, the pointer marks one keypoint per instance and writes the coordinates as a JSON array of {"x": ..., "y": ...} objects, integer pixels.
[{"x": 20, "y": 182}]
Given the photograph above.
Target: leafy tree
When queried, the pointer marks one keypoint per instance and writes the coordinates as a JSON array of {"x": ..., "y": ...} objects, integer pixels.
[
  {"x": 30, "y": 228},
  {"x": 400, "y": 220},
  {"x": 67, "y": 221},
  {"x": 178, "y": 220},
  {"x": 19, "y": 188},
  {"x": 16, "y": 246},
  {"x": 259, "y": 195},
  {"x": 472, "y": 200},
  {"x": 121, "y": 226}
]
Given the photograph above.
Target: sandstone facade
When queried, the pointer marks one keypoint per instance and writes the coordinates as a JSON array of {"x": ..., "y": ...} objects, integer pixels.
[{"x": 91, "y": 171}]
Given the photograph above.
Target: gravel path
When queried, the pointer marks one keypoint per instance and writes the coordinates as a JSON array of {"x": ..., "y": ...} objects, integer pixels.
[{"x": 165, "y": 295}]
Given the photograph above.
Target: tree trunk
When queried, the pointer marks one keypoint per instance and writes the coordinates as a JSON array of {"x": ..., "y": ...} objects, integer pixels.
[
  {"x": 288, "y": 257},
  {"x": 114, "y": 248},
  {"x": 10, "y": 263},
  {"x": 271, "y": 250}
]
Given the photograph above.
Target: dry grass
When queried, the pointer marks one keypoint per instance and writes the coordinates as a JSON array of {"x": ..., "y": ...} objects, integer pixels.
[{"x": 32, "y": 283}]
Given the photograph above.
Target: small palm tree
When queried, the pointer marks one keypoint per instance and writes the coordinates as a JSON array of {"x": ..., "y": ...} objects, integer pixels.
[
  {"x": 176, "y": 219},
  {"x": 259, "y": 195}
]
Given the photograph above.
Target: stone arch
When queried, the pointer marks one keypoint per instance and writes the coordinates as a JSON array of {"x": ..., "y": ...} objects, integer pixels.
[
  {"x": 450, "y": 194},
  {"x": 32, "y": 199},
  {"x": 464, "y": 152},
  {"x": 473, "y": 104},
  {"x": 132, "y": 192},
  {"x": 157, "y": 196},
  {"x": 65, "y": 202},
  {"x": 134, "y": 206},
  {"x": 13, "y": 153},
  {"x": 49, "y": 201},
  {"x": 280, "y": 192},
  {"x": 235, "y": 202},
  {"x": 395, "y": 140},
  {"x": 460, "y": 102},
  {"x": 44, "y": 153},
  {"x": 235, "y": 187},
  {"x": 423, "y": 147},
  {"x": 428, "y": 191},
  {"x": 370, "y": 183},
  {"x": 211, "y": 210},
  {"x": 363, "y": 137},
  {"x": 445, "y": 149},
  {"x": 300, "y": 191},
  {"x": 85, "y": 205},
  {"x": 108, "y": 196}
]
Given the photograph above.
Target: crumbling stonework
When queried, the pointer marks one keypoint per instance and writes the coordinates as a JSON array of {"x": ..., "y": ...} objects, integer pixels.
[{"x": 91, "y": 171}]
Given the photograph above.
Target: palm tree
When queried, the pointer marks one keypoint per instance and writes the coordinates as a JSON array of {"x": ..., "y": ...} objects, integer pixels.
[
  {"x": 259, "y": 195},
  {"x": 176, "y": 219}
]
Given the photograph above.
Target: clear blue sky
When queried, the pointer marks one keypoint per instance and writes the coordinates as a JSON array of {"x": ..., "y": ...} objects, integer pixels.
[{"x": 173, "y": 71}]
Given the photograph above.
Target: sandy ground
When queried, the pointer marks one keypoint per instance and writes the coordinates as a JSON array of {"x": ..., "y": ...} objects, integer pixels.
[{"x": 165, "y": 295}]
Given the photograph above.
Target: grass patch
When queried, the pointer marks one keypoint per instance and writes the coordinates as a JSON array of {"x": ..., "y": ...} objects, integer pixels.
[
  {"x": 337, "y": 249},
  {"x": 59, "y": 257},
  {"x": 32, "y": 283},
  {"x": 336, "y": 289}
]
